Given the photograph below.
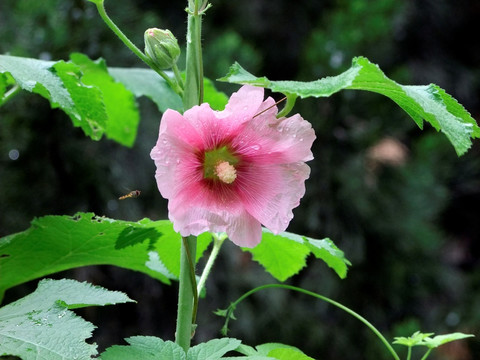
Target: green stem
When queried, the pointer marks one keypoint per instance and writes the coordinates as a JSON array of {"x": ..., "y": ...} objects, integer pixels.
[
  {"x": 10, "y": 94},
  {"x": 193, "y": 94},
  {"x": 288, "y": 106},
  {"x": 294, "y": 288},
  {"x": 409, "y": 353},
  {"x": 217, "y": 244},
  {"x": 426, "y": 354},
  {"x": 103, "y": 14},
  {"x": 186, "y": 294}
]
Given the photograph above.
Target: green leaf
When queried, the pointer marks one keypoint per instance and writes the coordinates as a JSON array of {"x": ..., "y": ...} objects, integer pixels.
[
  {"x": 429, "y": 103},
  {"x": 146, "y": 82},
  {"x": 443, "y": 339},
  {"x": 212, "y": 96},
  {"x": 56, "y": 243},
  {"x": 288, "y": 354},
  {"x": 282, "y": 352},
  {"x": 284, "y": 255},
  {"x": 40, "y": 326},
  {"x": 413, "y": 340},
  {"x": 144, "y": 348},
  {"x": 120, "y": 105},
  {"x": 43, "y": 78},
  {"x": 213, "y": 349}
]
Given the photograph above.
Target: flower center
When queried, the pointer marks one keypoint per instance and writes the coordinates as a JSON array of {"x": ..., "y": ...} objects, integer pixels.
[
  {"x": 226, "y": 172},
  {"x": 219, "y": 164}
]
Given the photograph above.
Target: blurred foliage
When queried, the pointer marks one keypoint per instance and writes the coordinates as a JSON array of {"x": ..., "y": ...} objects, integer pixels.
[{"x": 391, "y": 196}]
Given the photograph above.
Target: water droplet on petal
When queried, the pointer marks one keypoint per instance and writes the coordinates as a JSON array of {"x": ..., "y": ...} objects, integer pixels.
[
  {"x": 255, "y": 147},
  {"x": 301, "y": 139},
  {"x": 164, "y": 141},
  {"x": 294, "y": 135}
]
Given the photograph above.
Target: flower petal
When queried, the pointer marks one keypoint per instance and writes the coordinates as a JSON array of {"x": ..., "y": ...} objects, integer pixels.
[
  {"x": 243, "y": 105},
  {"x": 270, "y": 192}
]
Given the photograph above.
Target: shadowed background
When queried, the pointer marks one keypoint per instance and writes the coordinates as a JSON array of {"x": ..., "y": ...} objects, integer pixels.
[{"x": 397, "y": 200}]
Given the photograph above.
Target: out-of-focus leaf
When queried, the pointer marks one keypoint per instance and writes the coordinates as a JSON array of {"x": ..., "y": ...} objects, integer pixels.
[
  {"x": 429, "y": 103},
  {"x": 146, "y": 82}
]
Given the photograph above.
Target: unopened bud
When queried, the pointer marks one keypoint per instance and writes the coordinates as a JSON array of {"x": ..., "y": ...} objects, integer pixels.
[{"x": 161, "y": 47}]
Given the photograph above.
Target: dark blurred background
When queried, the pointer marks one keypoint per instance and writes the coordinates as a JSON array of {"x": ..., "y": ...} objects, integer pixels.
[{"x": 396, "y": 199}]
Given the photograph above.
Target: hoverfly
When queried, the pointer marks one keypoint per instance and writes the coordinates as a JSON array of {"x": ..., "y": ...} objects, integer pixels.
[{"x": 132, "y": 194}]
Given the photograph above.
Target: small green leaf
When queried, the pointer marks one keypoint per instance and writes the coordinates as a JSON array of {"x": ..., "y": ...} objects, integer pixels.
[
  {"x": 213, "y": 349},
  {"x": 40, "y": 326},
  {"x": 56, "y": 243},
  {"x": 144, "y": 348},
  {"x": 443, "y": 339},
  {"x": 429, "y": 103},
  {"x": 284, "y": 255},
  {"x": 413, "y": 340}
]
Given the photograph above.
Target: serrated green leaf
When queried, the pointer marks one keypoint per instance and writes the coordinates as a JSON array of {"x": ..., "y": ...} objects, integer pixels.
[
  {"x": 42, "y": 78},
  {"x": 146, "y": 82},
  {"x": 279, "y": 255},
  {"x": 326, "y": 250},
  {"x": 40, "y": 326},
  {"x": 289, "y": 354},
  {"x": 213, "y": 349},
  {"x": 429, "y": 103},
  {"x": 144, "y": 348},
  {"x": 443, "y": 339},
  {"x": 284, "y": 255},
  {"x": 252, "y": 357},
  {"x": 413, "y": 340},
  {"x": 119, "y": 103},
  {"x": 56, "y": 243}
]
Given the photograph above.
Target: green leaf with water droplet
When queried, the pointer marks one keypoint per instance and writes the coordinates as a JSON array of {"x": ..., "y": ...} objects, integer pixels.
[
  {"x": 41, "y": 326},
  {"x": 429, "y": 103}
]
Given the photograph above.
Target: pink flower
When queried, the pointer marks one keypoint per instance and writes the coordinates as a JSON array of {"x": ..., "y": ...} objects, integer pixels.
[{"x": 233, "y": 170}]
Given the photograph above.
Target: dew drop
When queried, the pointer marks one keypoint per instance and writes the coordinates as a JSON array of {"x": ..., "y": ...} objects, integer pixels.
[
  {"x": 255, "y": 147},
  {"x": 164, "y": 141},
  {"x": 294, "y": 135},
  {"x": 178, "y": 161},
  {"x": 301, "y": 139},
  {"x": 167, "y": 162}
]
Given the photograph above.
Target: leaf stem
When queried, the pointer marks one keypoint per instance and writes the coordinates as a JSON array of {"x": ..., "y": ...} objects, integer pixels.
[
  {"x": 427, "y": 353},
  {"x": 291, "y": 99},
  {"x": 318, "y": 296},
  {"x": 409, "y": 353},
  {"x": 103, "y": 14},
  {"x": 10, "y": 94},
  {"x": 186, "y": 294},
  {"x": 217, "y": 244}
]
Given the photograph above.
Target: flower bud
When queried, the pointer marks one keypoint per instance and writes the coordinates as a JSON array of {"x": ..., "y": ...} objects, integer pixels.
[{"x": 161, "y": 47}]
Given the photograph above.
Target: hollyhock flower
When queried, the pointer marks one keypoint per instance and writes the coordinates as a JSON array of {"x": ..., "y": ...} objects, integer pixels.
[{"x": 233, "y": 170}]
